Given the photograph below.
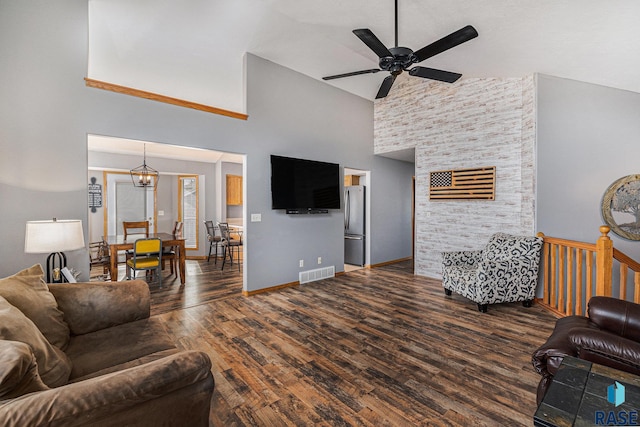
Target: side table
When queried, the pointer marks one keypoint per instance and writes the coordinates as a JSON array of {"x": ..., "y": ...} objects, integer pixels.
[{"x": 578, "y": 396}]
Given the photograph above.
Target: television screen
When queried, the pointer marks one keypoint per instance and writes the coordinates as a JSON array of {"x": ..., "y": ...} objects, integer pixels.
[{"x": 304, "y": 185}]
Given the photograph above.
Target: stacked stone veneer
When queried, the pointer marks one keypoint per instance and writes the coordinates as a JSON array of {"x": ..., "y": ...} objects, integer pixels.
[{"x": 472, "y": 123}]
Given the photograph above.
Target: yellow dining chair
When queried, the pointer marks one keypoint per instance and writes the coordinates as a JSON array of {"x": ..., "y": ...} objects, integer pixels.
[{"x": 147, "y": 255}]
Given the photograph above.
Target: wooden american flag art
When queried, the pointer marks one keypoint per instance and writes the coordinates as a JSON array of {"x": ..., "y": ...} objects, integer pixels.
[{"x": 478, "y": 183}]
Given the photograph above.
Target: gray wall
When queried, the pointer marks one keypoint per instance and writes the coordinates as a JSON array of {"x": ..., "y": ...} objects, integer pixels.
[
  {"x": 46, "y": 112},
  {"x": 588, "y": 137}
]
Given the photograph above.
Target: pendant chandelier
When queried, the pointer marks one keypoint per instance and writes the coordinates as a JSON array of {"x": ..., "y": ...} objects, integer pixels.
[{"x": 144, "y": 176}]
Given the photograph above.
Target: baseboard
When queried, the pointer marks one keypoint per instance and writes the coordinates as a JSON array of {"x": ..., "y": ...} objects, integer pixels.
[
  {"x": 395, "y": 261},
  {"x": 555, "y": 312},
  {"x": 270, "y": 289}
]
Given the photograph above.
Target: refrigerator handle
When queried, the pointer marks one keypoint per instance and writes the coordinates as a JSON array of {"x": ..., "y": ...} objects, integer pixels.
[{"x": 347, "y": 205}]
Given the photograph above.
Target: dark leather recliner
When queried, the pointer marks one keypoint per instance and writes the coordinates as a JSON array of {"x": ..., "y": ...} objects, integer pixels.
[{"x": 610, "y": 336}]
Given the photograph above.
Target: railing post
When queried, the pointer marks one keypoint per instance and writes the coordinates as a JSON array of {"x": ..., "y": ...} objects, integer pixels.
[{"x": 604, "y": 263}]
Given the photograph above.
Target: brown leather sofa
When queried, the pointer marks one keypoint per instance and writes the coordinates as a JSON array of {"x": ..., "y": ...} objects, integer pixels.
[
  {"x": 609, "y": 336},
  {"x": 90, "y": 354}
]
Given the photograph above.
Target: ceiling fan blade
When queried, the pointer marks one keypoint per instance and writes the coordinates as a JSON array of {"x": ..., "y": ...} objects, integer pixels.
[
  {"x": 373, "y": 42},
  {"x": 433, "y": 74},
  {"x": 355, "y": 73},
  {"x": 452, "y": 40},
  {"x": 385, "y": 87}
]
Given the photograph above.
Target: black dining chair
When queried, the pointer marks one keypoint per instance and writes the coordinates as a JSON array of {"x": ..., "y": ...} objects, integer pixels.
[
  {"x": 214, "y": 240},
  {"x": 229, "y": 244}
]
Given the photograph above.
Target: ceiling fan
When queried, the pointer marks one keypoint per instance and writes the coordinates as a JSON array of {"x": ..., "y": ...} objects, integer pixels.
[{"x": 398, "y": 59}]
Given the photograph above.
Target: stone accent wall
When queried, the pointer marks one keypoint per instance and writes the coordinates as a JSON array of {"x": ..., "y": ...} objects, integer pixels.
[{"x": 472, "y": 123}]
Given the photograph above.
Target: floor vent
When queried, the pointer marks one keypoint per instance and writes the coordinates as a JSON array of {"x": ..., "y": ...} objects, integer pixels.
[{"x": 317, "y": 274}]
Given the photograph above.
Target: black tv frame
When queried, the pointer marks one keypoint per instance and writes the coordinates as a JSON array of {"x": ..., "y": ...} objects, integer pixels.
[{"x": 306, "y": 163}]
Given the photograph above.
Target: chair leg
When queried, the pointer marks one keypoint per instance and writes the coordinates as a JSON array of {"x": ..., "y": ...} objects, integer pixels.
[
  {"x": 482, "y": 308},
  {"x": 224, "y": 255},
  {"x": 527, "y": 303},
  {"x": 210, "y": 245},
  {"x": 447, "y": 292}
]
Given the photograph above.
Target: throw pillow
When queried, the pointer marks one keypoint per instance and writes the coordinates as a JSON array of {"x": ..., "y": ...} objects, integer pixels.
[
  {"x": 54, "y": 366},
  {"x": 18, "y": 370},
  {"x": 27, "y": 291}
]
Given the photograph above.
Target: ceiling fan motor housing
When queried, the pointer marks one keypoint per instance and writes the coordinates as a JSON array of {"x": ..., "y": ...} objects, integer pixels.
[{"x": 402, "y": 58}]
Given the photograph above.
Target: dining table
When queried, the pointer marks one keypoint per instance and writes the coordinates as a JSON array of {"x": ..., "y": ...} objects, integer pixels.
[{"x": 119, "y": 243}]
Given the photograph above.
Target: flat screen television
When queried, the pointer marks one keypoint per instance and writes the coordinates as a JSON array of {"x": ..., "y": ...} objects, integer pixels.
[{"x": 304, "y": 186}]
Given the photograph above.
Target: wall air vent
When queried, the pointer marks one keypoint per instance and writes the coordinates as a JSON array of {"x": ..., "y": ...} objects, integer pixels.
[{"x": 317, "y": 274}]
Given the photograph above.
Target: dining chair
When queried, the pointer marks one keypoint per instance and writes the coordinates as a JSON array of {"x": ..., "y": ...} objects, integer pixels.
[
  {"x": 99, "y": 257},
  {"x": 171, "y": 253},
  {"x": 214, "y": 240},
  {"x": 229, "y": 244},
  {"x": 134, "y": 228},
  {"x": 147, "y": 255}
]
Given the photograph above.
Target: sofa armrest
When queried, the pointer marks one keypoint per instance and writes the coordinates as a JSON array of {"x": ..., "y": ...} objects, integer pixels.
[
  {"x": 460, "y": 258},
  {"x": 617, "y": 316},
  {"x": 606, "y": 348},
  {"x": 92, "y": 306},
  {"x": 108, "y": 397},
  {"x": 547, "y": 358}
]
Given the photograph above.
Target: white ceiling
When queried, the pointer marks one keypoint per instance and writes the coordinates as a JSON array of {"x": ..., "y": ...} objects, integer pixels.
[{"x": 194, "y": 49}]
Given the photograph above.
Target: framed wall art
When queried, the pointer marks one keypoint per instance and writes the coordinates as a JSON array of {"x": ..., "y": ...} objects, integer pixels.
[{"x": 621, "y": 207}]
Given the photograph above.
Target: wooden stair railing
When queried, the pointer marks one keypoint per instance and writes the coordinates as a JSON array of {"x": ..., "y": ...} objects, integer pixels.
[{"x": 573, "y": 272}]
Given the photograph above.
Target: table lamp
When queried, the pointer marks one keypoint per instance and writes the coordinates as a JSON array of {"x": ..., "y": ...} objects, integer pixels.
[{"x": 54, "y": 237}]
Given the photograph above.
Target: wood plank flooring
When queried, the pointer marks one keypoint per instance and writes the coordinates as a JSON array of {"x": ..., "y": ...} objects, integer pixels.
[{"x": 377, "y": 347}]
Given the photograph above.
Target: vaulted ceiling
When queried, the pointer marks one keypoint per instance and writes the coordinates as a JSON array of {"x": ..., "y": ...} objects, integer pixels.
[{"x": 194, "y": 49}]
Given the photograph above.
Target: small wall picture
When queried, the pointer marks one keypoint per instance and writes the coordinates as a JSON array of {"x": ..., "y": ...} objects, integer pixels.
[{"x": 621, "y": 207}]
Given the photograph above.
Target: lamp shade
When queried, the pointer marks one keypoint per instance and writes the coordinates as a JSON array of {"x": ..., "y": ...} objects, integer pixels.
[{"x": 53, "y": 236}]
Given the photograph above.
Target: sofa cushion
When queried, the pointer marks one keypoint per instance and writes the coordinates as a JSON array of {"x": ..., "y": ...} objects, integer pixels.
[
  {"x": 113, "y": 346},
  {"x": 27, "y": 291},
  {"x": 18, "y": 370},
  {"x": 88, "y": 307},
  {"x": 54, "y": 366}
]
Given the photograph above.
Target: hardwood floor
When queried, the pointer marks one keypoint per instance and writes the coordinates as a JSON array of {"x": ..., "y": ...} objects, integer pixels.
[
  {"x": 205, "y": 281},
  {"x": 371, "y": 347}
]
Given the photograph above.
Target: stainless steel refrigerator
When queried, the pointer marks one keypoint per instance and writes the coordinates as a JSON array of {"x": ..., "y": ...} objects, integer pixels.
[{"x": 354, "y": 231}]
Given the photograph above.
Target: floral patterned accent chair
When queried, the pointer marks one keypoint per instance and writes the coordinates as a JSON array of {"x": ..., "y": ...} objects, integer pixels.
[{"x": 506, "y": 270}]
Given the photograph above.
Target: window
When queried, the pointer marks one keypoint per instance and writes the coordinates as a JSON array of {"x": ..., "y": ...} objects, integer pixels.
[{"x": 188, "y": 209}]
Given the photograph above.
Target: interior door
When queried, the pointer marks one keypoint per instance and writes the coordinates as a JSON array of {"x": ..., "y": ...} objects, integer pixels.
[
  {"x": 188, "y": 209},
  {"x": 128, "y": 203}
]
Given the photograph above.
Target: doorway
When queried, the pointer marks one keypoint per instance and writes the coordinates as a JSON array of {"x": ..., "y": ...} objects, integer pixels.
[
  {"x": 191, "y": 187},
  {"x": 127, "y": 203},
  {"x": 356, "y": 219}
]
